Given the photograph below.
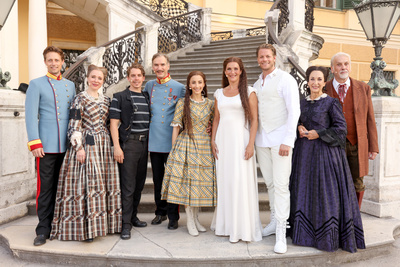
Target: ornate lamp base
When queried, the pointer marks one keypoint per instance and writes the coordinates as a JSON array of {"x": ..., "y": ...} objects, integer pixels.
[{"x": 378, "y": 82}]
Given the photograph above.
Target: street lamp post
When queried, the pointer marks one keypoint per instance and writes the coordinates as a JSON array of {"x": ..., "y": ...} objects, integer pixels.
[
  {"x": 5, "y": 9},
  {"x": 378, "y": 18}
]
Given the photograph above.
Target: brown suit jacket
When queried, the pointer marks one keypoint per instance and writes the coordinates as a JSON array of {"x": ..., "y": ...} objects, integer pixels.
[{"x": 367, "y": 135}]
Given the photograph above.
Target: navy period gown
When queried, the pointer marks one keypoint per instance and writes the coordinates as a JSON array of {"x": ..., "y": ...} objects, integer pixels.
[{"x": 324, "y": 211}]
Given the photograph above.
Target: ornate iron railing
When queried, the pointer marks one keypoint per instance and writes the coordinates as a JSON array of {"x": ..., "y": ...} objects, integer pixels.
[
  {"x": 309, "y": 15},
  {"x": 219, "y": 36},
  {"x": 178, "y": 32},
  {"x": 119, "y": 53},
  {"x": 283, "y": 19},
  {"x": 256, "y": 31},
  {"x": 166, "y": 8},
  {"x": 70, "y": 57},
  {"x": 296, "y": 71}
]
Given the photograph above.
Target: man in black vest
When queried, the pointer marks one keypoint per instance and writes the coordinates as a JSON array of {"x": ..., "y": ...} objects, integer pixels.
[{"x": 131, "y": 108}]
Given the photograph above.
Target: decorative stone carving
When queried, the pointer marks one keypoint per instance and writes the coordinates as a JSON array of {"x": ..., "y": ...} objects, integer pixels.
[{"x": 4, "y": 79}]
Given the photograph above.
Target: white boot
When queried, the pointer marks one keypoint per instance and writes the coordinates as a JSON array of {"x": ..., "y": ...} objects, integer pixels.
[
  {"x": 280, "y": 245},
  {"x": 199, "y": 227},
  {"x": 191, "y": 226},
  {"x": 271, "y": 227}
]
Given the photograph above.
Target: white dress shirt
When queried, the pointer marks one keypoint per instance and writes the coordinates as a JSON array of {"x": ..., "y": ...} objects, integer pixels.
[
  {"x": 288, "y": 90},
  {"x": 336, "y": 86}
]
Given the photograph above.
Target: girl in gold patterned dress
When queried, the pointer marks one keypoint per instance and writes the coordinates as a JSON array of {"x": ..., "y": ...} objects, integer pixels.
[{"x": 190, "y": 170}]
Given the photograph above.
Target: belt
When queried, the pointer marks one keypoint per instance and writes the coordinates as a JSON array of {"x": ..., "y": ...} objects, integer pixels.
[{"x": 140, "y": 137}]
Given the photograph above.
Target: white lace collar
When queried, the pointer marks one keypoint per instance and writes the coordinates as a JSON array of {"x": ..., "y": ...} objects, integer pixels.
[{"x": 318, "y": 98}]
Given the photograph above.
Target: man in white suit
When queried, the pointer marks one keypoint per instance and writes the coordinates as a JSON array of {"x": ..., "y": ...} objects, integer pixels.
[{"x": 279, "y": 111}]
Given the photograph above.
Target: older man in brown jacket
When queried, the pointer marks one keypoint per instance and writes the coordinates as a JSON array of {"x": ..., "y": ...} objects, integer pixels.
[{"x": 362, "y": 136}]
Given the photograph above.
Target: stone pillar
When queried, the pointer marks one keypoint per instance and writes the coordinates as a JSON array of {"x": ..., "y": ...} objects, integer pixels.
[
  {"x": 297, "y": 9},
  {"x": 120, "y": 22},
  {"x": 382, "y": 194},
  {"x": 206, "y": 25},
  {"x": 37, "y": 38},
  {"x": 17, "y": 171},
  {"x": 151, "y": 45}
]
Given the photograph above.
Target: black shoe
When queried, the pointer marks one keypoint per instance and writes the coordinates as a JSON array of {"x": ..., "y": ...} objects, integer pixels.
[
  {"x": 139, "y": 223},
  {"x": 126, "y": 234},
  {"x": 39, "y": 240},
  {"x": 172, "y": 225},
  {"x": 89, "y": 240},
  {"x": 158, "y": 219}
]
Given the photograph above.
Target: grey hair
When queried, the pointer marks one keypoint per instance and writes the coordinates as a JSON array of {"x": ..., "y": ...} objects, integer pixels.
[{"x": 340, "y": 54}]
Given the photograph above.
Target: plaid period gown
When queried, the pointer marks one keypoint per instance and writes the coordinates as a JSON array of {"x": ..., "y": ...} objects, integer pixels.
[
  {"x": 190, "y": 170},
  {"x": 88, "y": 201}
]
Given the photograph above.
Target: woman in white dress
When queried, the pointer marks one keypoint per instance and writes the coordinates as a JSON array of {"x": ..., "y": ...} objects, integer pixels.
[{"x": 233, "y": 134}]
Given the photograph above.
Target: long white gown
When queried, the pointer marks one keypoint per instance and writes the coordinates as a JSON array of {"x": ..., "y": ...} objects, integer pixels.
[{"x": 237, "y": 214}]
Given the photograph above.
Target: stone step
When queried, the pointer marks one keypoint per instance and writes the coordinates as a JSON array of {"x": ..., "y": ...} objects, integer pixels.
[
  {"x": 154, "y": 245},
  {"x": 211, "y": 64},
  {"x": 234, "y": 48},
  {"x": 246, "y": 40},
  {"x": 212, "y": 60},
  {"x": 226, "y": 53},
  {"x": 147, "y": 204}
]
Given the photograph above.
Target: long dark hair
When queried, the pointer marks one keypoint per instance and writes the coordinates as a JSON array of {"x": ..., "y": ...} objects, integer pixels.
[
  {"x": 187, "y": 120},
  {"x": 244, "y": 97}
]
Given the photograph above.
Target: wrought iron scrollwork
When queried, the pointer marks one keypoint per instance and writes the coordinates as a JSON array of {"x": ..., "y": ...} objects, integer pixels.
[
  {"x": 219, "y": 36},
  {"x": 70, "y": 57},
  {"x": 78, "y": 76},
  {"x": 166, "y": 8},
  {"x": 283, "y": 19},
  {"x": 256, "y": 31},
  {"x": 120, "y": 54},
  {"x": 178, "y": 32},
  {"x": 309, "y": 15},
  {"x": 301, "y": 81}
]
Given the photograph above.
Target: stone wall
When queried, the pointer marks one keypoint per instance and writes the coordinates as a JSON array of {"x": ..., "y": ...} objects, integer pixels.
[{"x": 17, "y": 168}]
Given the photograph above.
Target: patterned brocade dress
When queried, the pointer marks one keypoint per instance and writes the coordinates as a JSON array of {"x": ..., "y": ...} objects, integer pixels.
[
  {"x": 190, "y": 172},
  {"x": 324, "y": 211},
  {"x": 88, "y": 201}
]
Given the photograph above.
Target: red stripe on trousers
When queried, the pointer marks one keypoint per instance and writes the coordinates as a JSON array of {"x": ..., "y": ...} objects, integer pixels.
[{"x": 38, "y": 181}]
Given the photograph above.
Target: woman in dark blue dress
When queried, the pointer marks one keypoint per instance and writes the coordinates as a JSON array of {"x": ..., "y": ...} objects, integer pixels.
[{"x": 324, "y": 212}]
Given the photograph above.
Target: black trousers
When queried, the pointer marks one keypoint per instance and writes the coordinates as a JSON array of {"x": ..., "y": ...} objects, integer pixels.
[
  {"x": 48, "y": 170},
  {"x": 132, "y": 179},
  {"x": 158, "y": 161}
]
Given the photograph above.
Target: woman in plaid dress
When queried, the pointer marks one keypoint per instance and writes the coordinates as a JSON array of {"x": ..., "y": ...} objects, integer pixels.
[
  {"x": 88, "y": 195},
  {"x": 190, "y": 172}
]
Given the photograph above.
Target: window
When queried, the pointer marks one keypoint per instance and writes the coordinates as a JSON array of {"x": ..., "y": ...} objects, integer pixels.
[
  {"x": 336, "y": 4},
  {"x": 326, "y": 3}
]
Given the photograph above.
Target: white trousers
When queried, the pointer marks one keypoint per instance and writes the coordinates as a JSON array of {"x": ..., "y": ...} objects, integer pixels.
[{"x": 276, "y": 172}]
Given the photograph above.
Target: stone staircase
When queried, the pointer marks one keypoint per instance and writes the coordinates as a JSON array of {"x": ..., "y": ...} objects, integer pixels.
[
  {"x": 209, "y": 59},
  {"x": 147, "y": 204}
]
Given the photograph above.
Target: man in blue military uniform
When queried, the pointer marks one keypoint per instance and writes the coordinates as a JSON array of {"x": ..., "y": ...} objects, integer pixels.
[
  {"x": 47, "y": 103},
  {"x": 164, "y": 94}
]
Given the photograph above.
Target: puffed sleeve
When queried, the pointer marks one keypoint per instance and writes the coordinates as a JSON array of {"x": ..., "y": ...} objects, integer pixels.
[
  {"x": 251, "y": 90},
  {"x": 335, "y": 135},
  {"x": 217, "y": 94},
  {"x": 75, "y": 122},
  {"x": 178, "y": 115}
]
